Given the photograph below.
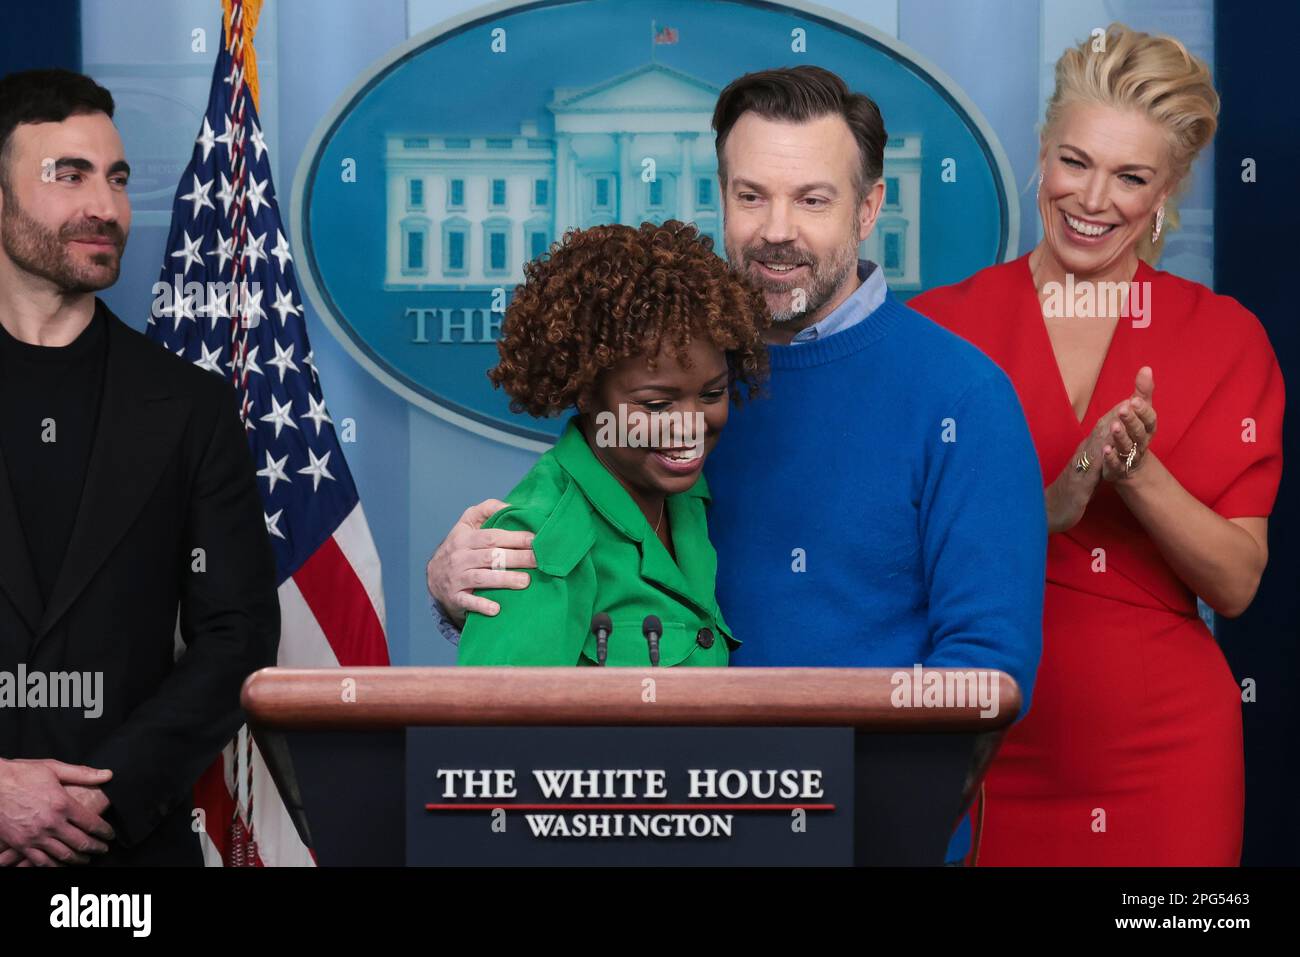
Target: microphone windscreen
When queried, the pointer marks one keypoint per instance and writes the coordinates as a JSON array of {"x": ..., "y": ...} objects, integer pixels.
[
  {"x": 601, "y": 621},
  {"x": 651, "y": 624}
]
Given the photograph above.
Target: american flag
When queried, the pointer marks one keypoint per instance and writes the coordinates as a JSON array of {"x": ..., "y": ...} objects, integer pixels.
[
  {"x": 666, "y": 35},
  {"x": 245, "y": 320}
]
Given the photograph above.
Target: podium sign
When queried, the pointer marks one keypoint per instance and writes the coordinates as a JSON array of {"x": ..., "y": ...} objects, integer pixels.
[{"x": 629, "y": 796}]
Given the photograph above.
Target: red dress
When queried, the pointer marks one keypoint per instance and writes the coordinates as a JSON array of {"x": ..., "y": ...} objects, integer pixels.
[{"x": 1131, "y": 752}]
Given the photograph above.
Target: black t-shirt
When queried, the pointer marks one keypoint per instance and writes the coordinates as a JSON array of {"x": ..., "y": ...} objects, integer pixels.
[{"x": 49, "y": 407}]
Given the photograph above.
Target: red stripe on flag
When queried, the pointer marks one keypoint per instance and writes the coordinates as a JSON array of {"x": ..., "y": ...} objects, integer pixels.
[
  {"x": 335, "y": 595},
  {"x": 218, "y": 806}
]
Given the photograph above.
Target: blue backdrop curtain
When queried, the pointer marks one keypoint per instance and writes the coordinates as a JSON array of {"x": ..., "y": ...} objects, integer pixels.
[
  {"x": 1255, "y": 250},
  {"x": 41, "y": 35}
]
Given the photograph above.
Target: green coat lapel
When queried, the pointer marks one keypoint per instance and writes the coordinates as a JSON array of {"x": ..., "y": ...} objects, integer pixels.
[{"x": 692, "y": 579}]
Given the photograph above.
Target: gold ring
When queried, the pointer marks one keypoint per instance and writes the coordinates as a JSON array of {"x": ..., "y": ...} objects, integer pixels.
[
  {"x": 1084, "y": 463},
  {"x": 1131, "y": 457}
]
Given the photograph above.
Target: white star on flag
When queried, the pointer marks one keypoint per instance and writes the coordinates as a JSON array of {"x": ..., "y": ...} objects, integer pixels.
[
  {"x": 317, "y": 413},
  {"x": 249, "y": 366},
  {"x": 283, "y": 360},
  {"x": 274, "y": 471},
  {"x": 254, "y": 251},
  {"x": 179, "y": 306},
  {"x": 280, "y": 416},
  {"x": 259, "y": 143},
  {"x": 205, "y": 139},
  {"x": 251, "y": 310},
  {"x": 199, "y": 195},
  {"x": 284, "y": 304},
  {"x": 316, "y": 469},
  {"x": 209, "y": 359},
  {"x": 190, "y": 252},
  {"x": 225, "y": 251},
  {"x": 228, "y": 137},
  {"x": 226, "y": 194},
  {"x": 216, "y": 308},
  {"x": 281, "y": 250},
  {"x": 254, "y": 193}
]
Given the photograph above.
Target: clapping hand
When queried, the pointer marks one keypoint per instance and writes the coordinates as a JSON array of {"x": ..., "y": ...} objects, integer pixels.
[
  {"x": 1113, "y": 450},
  {"x": 1129, "y": 432}
]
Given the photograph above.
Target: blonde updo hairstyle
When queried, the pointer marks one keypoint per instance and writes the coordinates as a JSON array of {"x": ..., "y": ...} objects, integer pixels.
[{"x": 1154, "y": 74}]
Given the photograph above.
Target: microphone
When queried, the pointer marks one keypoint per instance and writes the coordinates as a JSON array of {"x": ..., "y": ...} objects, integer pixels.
[
  {"x": 602, "y": 627},
  {"x": 652, "y": 629}
]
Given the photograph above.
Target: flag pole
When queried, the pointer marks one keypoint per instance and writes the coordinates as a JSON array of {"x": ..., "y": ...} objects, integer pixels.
[{"x": 240, "y": 22}]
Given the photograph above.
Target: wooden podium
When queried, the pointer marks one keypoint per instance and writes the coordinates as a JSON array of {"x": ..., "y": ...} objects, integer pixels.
[{"x": 336, "y": 742}]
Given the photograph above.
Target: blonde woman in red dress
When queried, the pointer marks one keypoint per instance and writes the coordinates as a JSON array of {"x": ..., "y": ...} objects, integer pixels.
[{"x": 1157, "y": 416}]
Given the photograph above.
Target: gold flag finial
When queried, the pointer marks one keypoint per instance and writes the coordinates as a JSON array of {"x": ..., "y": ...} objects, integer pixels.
[{"x": 247, "y": 27}]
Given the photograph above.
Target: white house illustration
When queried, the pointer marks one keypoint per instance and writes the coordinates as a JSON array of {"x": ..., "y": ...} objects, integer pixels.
[{"x": 466, "y": 212}]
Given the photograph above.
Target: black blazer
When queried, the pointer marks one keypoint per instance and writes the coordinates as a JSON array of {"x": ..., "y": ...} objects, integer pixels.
[{"x": 169, "y": 472}]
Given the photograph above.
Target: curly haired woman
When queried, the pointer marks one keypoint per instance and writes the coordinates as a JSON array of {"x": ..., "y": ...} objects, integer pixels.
[{"x": 647, "y": 333}]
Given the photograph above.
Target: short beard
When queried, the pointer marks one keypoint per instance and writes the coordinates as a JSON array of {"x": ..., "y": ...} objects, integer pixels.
[
  {"x": 42, "y": 252},
  {"x": 828, "y": 276}
]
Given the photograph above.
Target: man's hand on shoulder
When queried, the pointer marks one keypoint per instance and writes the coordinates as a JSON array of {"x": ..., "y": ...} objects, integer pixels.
[{"x": 473, "y": 557}]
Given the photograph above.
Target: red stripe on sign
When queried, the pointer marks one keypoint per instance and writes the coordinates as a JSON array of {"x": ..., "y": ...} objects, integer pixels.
[
  {"x": 335, "y": 595},
  {"x": 599, "y": 806}
]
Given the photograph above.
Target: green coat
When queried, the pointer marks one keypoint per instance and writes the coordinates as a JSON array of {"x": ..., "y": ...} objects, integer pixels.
[{"x": 597, "y": 553}]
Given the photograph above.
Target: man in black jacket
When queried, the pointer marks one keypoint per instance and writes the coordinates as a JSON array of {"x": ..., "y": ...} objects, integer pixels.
[{"x": 129, "y": 511}]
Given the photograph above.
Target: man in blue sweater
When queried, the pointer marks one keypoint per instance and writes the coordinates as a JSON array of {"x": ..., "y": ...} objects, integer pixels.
[{"x": 883, "y": 505}]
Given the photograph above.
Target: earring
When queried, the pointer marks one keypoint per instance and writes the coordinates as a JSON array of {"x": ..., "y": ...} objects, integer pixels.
[
  {"x": 1160, "y": 224},
  {"x": 1039, "y": 191}
]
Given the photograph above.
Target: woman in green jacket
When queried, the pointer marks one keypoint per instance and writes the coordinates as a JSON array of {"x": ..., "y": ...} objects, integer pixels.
[{"x": 649, "y": 335}]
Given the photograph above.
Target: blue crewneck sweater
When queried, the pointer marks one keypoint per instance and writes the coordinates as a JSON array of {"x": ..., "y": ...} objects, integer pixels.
[
  {"x": 882, "y": 506},
  {"x": 913, "y": 549}
]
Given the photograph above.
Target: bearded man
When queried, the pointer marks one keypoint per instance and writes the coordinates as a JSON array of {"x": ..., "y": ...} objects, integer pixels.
[{"x": 129, "y": 511}]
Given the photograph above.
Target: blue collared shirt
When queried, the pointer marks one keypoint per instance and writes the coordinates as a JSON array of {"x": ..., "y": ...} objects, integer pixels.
[{"x": 865, "y": 300}]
